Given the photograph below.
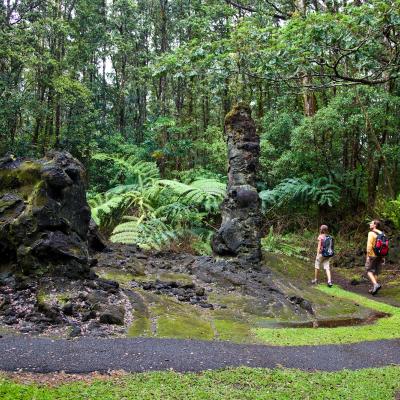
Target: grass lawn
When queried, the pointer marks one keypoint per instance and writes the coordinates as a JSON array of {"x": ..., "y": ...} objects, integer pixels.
[
  {"x": 384, "y": 328},
  {"x": 239, "y": 383}
]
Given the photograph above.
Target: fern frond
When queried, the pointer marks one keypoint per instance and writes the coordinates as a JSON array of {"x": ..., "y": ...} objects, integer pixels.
[
  {"x": 203, "y": 193},
  {"x": 151, "y": 234},
  {"x": 320, "y": 192},
  {"x": 134, "y": 171}
]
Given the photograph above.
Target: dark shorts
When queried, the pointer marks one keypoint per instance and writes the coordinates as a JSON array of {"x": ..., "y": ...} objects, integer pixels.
[{"x": 374, "y": 264}]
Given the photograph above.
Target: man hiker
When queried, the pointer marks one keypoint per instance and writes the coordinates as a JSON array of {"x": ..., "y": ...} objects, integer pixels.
[{"x": 373, "y": 263}]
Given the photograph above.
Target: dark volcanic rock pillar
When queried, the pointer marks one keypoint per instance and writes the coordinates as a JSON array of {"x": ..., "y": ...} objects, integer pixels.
[{"x": 240, "y": 231}]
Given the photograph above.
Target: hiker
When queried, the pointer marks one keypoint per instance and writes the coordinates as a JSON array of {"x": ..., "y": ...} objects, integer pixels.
[
  {"x": 377, "y": 247},
  {"x": 324, "y": 253}
]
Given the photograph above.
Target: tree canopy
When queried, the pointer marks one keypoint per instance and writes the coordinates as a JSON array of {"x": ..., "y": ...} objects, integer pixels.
[{"x": 150, "y": 81}]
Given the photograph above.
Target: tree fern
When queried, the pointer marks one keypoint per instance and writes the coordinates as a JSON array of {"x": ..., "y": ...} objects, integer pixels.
[
  {"x": 104, "y": 206},
  {"x": 320, "y": 191},
  {"x": 109, "y": 207},
  {"x": 156, "y": 212},
  {"x": 132, "y": 171},
  {"x": 179, "y": 214},
  {"x": 148, "y": 234},
  {"x": 203, "y": 193}
]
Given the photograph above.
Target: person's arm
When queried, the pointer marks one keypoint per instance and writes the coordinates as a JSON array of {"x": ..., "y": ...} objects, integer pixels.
[
  {"x": 370, "y": 242},
  {"x": 319, "y": 245}
]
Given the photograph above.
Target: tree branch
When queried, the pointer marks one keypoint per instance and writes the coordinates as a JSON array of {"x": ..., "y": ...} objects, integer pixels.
[
  {"x": 240, "y": 6},
  {"x": 252, "y": 9}
]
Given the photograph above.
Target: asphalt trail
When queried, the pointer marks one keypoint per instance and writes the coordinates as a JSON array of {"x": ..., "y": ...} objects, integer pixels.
[{"x": 85, "y": 355}]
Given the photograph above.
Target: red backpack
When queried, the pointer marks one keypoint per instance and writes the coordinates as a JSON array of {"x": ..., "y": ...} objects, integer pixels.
[{"x": 381, "y": 248}]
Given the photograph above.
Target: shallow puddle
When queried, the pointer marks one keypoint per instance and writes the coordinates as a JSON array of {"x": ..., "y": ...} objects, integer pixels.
[{"x": 325, "y": 323}]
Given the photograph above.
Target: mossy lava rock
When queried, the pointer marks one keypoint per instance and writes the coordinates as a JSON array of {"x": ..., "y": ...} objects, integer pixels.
[
  {"x": 44, "y": 216},
  {"x": 241, "y": 227}
]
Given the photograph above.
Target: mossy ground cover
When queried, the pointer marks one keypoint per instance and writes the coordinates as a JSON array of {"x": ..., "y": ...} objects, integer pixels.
[
  {"x": 384, "y": 328},
  {"x": 237, "y": 317},
  {"x": 230, "y": 384},
  {"x": 173, "y": 319}
]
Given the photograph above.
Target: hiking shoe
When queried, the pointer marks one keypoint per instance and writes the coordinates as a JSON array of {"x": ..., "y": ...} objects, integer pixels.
[
  {"x": 330, "y": 284},
  {"x": 314, "y": 281},
  {"x": 376, "y": 288}
]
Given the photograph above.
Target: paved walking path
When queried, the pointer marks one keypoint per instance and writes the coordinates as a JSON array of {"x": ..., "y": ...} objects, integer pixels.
[{"x": 147, "y": 354}]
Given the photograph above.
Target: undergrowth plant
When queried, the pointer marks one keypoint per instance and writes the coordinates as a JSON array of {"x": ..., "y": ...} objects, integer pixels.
[
  {"x": 290, "y": 245},
  {"x": 153, "y": 212},
  {"x": 391, "y": 211}
]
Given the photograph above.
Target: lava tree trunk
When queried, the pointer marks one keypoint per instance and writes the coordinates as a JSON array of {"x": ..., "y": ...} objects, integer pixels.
[{"x": 240, "y": 232}]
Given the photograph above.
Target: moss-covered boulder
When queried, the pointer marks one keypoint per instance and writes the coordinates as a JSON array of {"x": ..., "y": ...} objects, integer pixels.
[{"x": 44, "y": 216}]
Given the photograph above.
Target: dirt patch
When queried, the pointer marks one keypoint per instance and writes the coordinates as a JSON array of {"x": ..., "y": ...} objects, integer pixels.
[{"x": 60, "y": 378}]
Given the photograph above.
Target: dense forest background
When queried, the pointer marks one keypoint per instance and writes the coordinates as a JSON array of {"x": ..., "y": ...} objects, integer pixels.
[{"x": 138, "y": 91}]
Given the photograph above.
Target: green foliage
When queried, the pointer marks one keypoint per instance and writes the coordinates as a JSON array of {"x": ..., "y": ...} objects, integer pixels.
[
  {"x": 108, "y": 208},
  {"x": 103, "y": 206},
  {"x": 297, "y": 191},
  {"x": 152, "y": 233},
  {"x": 131, "y": 171},
  {"x": 193, "y": 174},
  {"x": 206, "y": 194},
  {"x": 154, "y": 213},
  {"x": 391, "y": 211},
  {"x": 283, "y": 244},
  {"x": 132, "y": 90},
  {"x": 177, "y": 210}
]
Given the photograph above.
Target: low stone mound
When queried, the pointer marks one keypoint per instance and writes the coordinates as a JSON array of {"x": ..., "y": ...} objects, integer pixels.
[{"x": 44, "y": 216}]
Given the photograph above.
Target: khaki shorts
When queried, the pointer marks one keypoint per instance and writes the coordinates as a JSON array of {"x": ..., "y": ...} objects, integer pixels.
[
  {"x": 374, "y": 264},
  {"x": 320, "y": 260}
]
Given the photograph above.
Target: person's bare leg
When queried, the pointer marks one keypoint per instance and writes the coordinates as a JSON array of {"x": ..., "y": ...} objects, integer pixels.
[
  {"x": 315, "y": 280},
  {"x": 328, "y": 275},
  {"x": 372, "y": 278}
]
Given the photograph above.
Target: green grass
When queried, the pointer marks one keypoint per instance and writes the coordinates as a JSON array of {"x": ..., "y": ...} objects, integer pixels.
[
  {"x": 235, "y": 331},
  {"x": 384, "y": 328},
  {"x": 230, "y": 384},
  {"x": 184, "y": 327},
  {"x": 140, "y": 327}
]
